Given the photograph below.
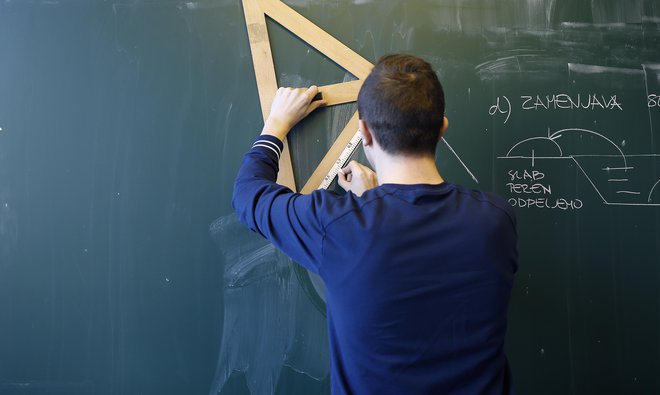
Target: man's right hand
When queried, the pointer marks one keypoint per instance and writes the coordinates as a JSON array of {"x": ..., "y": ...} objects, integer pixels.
[{"x": 357, "y": 178}]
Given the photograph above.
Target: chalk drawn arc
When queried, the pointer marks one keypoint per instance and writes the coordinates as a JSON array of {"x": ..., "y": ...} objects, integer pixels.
[
  {"x": 653, "y": 190},
  {"x": 561, "y": 153},
  {"x": 558, "y": 134}
]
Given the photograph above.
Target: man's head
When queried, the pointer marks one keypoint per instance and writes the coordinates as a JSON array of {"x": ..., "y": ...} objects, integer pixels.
[{"x": 403, "y": 105}]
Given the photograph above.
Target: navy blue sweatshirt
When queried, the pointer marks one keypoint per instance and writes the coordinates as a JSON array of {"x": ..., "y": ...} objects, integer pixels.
[{"x": 418, "y": 277}]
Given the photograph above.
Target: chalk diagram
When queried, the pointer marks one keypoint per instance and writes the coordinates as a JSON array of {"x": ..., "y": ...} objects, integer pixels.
[{"x": 619, "y": 179}]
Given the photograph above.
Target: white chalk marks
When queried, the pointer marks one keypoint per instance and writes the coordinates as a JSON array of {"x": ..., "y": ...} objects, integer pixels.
[
  {"x": 653, "y": 190},
  {"x": 460, "y": 160},
  {"x": 504, "y": 107},
  {"x": 618, "y": 179},
  {"x": 551, "y": 140}
]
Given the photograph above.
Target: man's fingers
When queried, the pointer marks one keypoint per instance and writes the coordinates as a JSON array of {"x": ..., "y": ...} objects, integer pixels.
[
  {"x": 342, "y": 180},
  {"x": 348, "y": 172},
  {"x": 289, "y": 106},
  {"x": 355, "y": 167},
  {"x": 311, "y": 92},
  {"x": 314, "y": 105},
  {"x": 341, "y": 177}
]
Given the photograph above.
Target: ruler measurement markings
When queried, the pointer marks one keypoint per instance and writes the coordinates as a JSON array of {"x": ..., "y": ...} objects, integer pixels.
[{"x": 342, "y": 160}]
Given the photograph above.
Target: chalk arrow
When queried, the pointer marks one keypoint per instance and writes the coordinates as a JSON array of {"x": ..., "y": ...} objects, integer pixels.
[
  {"x": 558, "y": 134},
  {"x": 553, "y": 136}
]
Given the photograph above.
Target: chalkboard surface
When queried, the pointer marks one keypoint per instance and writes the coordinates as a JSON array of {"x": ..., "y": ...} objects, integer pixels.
[{"x": 123, "y": 270}]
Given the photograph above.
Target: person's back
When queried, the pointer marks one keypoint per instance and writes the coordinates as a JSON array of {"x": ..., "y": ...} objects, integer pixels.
[
  {"x": 417, "y": 304},
  {"x": 418, "y": 271}
]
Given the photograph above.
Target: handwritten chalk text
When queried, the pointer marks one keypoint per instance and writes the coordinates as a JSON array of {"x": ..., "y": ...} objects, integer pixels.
[
  {"x": 567, "y": 102},
  {"x": 654, "y": 101},
  {"x": 503, "y": 107},
  {"x": 545, "y": 203},
  {"x": 526, "y": 187},
  {"x": 526, "y": 175}
]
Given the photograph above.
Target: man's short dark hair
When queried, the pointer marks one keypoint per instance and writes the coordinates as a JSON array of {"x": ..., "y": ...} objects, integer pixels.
[{"x": 403, "y": 103}]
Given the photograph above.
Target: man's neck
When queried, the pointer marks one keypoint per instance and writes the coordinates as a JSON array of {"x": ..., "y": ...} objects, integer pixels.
[{"x": 407, "y": 170}]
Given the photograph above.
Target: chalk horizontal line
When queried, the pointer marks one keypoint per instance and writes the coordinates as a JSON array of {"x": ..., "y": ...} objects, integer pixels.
[
  {"x": 615, "y": 156},
  {"x": 534, "y": 157},
  {"x": 634, "y": 204},
  {"x": 629, "y": 192},
  {"x": 618, "y": 180},
  {"x": 580, "y": 156}
]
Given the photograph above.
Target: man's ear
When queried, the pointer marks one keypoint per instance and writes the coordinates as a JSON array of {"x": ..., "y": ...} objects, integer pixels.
[
  {"x": 445, "y": 125},
  {"x": 367, "y": 137}
]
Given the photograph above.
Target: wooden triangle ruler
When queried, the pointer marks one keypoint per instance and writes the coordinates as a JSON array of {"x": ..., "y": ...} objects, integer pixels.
[{"x": 264, "y": 70}]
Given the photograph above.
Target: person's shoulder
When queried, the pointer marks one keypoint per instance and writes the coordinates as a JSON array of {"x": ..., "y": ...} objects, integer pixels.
[
  {"x": 491, "y": 199},
  {"x": 332, "y": 205}
]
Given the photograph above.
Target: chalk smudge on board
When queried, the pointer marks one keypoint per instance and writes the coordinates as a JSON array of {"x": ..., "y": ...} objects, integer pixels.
[
  {"x": 8, "y": 231},
  {"x": 609, "y": 12},
  {"x": 536, "y": 13},
  {"x": 596, "y": 69},
  {"x": 269, "y": 322},
  {"x": 473, "y": 17},
  {"x": 516, "y": 62}
]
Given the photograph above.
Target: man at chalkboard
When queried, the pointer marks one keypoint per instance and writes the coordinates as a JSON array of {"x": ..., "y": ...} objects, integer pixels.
[{"x": 418, "y": 271}]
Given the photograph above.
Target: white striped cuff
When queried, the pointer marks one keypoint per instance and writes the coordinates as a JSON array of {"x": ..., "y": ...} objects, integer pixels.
[{"x": 262, "y": 142}]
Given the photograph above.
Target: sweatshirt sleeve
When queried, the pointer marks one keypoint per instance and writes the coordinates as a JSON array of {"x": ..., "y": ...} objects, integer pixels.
[{"x": 289, "y": 220}]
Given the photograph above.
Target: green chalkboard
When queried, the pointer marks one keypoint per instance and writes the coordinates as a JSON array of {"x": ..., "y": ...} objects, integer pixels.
[{"x": 122, "y": 126}]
